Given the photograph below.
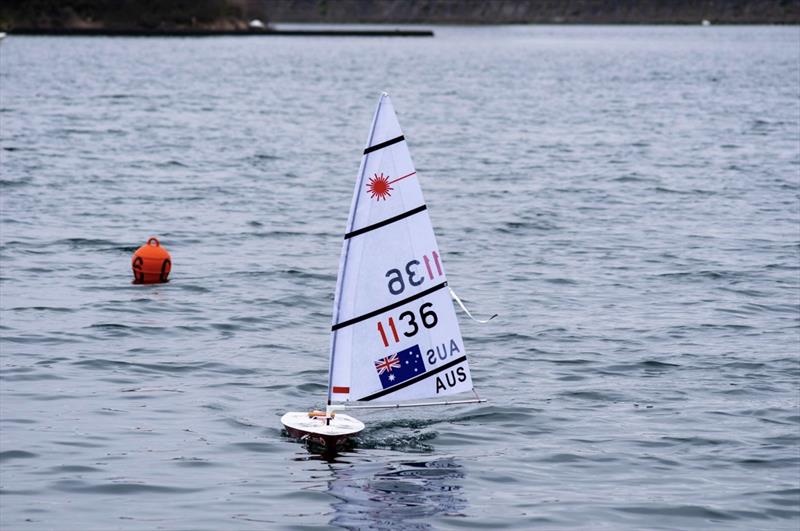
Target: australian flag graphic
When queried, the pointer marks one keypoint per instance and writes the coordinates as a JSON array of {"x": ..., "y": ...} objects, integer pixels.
[{"x": 397, "y": 368}]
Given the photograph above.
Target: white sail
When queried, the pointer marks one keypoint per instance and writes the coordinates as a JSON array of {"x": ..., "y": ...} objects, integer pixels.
[{"x": 395, "y": 335}]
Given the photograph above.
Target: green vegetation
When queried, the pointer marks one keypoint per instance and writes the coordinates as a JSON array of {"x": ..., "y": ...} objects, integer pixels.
[{"x": 123, "y": 14}]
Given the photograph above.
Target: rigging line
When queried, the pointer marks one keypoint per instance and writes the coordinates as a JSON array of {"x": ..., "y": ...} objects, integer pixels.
[
  {"x": 455, "y": 297},
  {"x": 392, "y": 306}
]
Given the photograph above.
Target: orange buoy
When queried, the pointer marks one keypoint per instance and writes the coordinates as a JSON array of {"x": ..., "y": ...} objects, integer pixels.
[{"x": 151, "y": 263}]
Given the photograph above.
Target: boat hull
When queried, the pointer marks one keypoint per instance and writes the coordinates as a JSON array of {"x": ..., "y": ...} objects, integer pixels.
[{"x": 331, "y": 435}]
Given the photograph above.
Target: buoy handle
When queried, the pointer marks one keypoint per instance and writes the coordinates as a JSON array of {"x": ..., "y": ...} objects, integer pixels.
[{"x": 153, "y": 239}]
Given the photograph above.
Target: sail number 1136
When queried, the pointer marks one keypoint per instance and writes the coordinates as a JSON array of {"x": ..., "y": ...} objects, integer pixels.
[
  {"x": 413, "y": 276},
  {"x": 427, "y": 317}
]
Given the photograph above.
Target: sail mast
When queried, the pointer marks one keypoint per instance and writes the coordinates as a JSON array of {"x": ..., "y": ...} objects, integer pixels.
[{"x": 346, "y": 245}]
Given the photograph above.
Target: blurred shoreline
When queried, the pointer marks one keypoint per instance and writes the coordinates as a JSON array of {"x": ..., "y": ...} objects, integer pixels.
[
  {"x": 304, "y": 32},
  {"x": 237, "y": 17}
]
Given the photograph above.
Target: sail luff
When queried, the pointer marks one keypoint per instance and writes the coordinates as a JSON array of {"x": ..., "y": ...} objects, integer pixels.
[{"x": 346, "y": 245}]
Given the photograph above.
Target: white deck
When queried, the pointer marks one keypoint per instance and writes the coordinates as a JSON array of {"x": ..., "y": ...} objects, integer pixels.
[{"x": 339, "y": 426}]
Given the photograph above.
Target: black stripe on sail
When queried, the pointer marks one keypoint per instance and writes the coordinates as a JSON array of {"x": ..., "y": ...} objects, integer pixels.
[
  {"x": 392, "y": 306},
  {"x": 413, "y": 380},
  {"x": 385, "y": 222},
  {"x": 382, "y": 145}
]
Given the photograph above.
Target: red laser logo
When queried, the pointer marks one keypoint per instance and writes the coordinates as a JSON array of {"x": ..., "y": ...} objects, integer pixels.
[{"x": 380, "y": 187}]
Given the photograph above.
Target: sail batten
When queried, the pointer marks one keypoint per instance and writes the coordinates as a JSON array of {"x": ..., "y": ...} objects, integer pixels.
[
  {"x": 385, "y": 222},
  {"x": 390, "y": 307},
  {"x": 395, "y": 335},
  {"x": 384, "y": 144},
  {"x": 415, "y": 380}
]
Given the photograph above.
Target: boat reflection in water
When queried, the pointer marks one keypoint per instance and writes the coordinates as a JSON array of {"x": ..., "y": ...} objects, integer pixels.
[{"x": 378, "y": 494}]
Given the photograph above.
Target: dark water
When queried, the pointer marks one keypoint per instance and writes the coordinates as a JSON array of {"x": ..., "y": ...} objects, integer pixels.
[{"x": 625, "y": 198}]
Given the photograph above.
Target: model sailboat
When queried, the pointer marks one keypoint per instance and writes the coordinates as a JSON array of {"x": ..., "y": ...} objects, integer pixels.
[{"x": 395, "y": 336}]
